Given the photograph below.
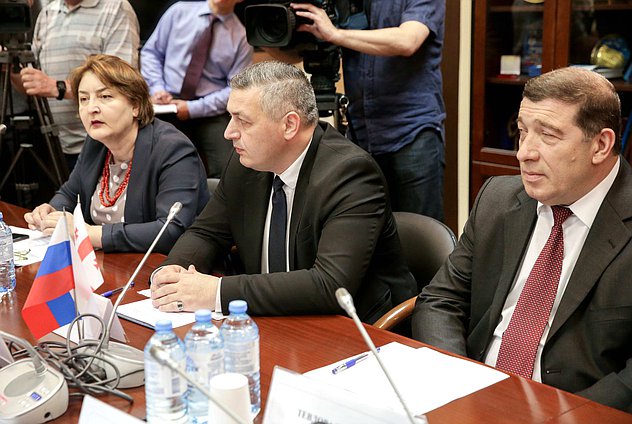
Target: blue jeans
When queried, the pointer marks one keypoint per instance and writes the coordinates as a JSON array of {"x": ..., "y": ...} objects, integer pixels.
[{"x": 414, "y": 175}]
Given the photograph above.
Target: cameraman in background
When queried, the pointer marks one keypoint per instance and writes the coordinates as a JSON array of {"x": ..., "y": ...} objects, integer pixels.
[{"x": 393, "y": 80}]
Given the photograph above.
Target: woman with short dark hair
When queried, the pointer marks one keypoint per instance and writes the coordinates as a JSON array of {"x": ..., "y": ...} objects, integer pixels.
[{"x": 132, "y": 167}]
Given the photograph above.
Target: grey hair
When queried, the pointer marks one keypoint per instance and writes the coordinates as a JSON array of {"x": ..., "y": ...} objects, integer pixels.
[{"x": 284, "y": 88}]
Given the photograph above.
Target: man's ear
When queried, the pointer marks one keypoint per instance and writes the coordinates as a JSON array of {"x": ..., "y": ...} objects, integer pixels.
[
  {"x": 603, "y": 145},
  {"x": 291, "y": 125}
]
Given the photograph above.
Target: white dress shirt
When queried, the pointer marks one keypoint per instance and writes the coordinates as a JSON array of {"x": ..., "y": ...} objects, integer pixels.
[
  {"x": 576, "y": 229},
  {"x": 289, "y": 178}
]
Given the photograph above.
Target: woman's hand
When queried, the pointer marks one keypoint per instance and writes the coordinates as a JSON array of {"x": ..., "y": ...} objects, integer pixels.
[
  {"x": 49, "y": 221},
  {"x": 36, "y": 218},
  {"x": 44, "y": 218}
]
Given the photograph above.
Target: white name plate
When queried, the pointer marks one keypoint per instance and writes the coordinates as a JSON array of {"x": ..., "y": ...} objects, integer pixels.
[{"x": 296, "y": 399}]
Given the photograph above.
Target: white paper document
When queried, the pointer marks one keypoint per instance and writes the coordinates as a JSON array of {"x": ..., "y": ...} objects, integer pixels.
[
  {"x": 30, "y": 250},
  {"x": 143, "y": 313},
  {"x": 427, "y": 379},
  {"x": 214, "y": 315},
  {"x": 94, "y": 411},
  {"x": 296, "y": 399},
  {"x": 162, "y": 109}
]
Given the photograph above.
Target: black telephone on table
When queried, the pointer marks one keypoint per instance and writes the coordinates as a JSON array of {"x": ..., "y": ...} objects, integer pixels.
[{"x": 18, "y": 237}]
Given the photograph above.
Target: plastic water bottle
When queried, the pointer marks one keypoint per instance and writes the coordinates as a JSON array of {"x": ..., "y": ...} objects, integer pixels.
[
  {"x": 7, "y": 267},
  {"x": 241, "y": 349},
  {"x": 205, "y": 359},
  {"x": 165, "y": 390}
]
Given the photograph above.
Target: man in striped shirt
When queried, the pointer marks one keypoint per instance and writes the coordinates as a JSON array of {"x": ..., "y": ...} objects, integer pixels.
[{"x": 65, "y": 34}]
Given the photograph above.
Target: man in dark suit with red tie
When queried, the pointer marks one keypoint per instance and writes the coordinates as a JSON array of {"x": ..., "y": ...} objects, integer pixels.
[
  {"x": 539, "y": 283},
  {"x": 324, "y": 223}
]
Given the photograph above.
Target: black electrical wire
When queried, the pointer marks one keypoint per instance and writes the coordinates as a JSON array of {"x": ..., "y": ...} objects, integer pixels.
[{"x": 81, "y": 365}]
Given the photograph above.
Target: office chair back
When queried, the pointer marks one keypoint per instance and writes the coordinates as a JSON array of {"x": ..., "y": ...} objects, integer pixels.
[
  {"x": 212, "y": 183},
  {"x": 426, "y": 244}
]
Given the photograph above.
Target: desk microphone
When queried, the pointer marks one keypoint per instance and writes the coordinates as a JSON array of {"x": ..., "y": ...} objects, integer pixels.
[
  {"x": 163, "y": 358},
  {"x": 346, "y": 302},
  {"x": 129, "y": 361},
  {"x": 30, "y": 391}
]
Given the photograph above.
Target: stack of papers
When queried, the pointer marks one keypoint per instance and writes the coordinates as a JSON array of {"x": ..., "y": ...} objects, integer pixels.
[
  {"x": 426, "y": 379},
  {"x": 162, "y": 109},
  {"x": 143, "y": 313},
  {"x": 30, "y": 250}
]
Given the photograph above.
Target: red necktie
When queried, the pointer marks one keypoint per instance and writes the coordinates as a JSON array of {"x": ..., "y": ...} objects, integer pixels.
[
  {"x": 199, "y": 57},
  {"x": 522, "y": 336}
]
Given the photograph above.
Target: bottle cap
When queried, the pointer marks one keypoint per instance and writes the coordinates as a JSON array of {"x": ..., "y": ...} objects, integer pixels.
[
  {"x": 163, "y": 325},
  {"x": 203, "y": 315},
  {"x": 237, "y": 307}
]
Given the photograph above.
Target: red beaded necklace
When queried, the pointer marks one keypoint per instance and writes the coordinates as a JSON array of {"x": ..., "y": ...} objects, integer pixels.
[{"x": 104, "y": 192}]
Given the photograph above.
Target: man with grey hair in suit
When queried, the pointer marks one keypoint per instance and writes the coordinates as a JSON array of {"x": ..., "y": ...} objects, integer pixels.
[{"x": 307, "y": 210}]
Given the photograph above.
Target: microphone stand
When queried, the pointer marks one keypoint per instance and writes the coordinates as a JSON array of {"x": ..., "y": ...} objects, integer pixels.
[
  {"x": 346, "y": 302},
  {"x": 172, "y": 213},
  {"x": 163, "y": 358},
  {"x": 129, "y": 361}
]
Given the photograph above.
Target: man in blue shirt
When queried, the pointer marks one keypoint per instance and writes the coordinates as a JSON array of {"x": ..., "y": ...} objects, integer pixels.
[
  {"x": 393, "y": 81},
  {"x": 165, "y": 59}
]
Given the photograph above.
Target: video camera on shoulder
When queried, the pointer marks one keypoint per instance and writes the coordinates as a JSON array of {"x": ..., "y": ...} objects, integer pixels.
[
  {"x": 273, "y": 23},
  {"x": 15, "y": 22}
]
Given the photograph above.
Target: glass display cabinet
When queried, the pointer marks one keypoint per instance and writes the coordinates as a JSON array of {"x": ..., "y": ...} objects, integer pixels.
[{"x": 529, "y": 37}]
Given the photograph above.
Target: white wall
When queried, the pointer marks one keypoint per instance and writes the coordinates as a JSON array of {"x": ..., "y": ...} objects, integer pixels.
[{"x": 465, "y": 72}]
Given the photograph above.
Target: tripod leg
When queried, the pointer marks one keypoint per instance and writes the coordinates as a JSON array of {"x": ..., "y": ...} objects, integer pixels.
[
  {"x": 41, "y": 164},
  {"x": 52, "y": 142},
  {"x": 19, "y": 59},
  {"x": 5, "y": 97},
  {"x": 13, "y": 163}
]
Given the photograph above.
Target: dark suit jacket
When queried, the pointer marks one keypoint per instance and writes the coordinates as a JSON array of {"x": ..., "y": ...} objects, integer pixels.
[
  {"x": 342, "y": 234},
  {"x": 589, "y": 347},
  {"x": 165, "y": 168}
]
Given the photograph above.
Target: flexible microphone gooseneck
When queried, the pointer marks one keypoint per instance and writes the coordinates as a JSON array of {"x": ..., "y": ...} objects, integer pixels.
[
  {"x": 163, "y": 358},
  {"x": 177, "y": 206},
  {"x": 39, "y": 365},
  {"x": 346, "y": 302},
  {"x": 129, "y": 360}
]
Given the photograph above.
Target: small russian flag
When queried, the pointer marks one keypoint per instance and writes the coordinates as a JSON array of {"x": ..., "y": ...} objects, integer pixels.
[{"x": 50, "y": 304}]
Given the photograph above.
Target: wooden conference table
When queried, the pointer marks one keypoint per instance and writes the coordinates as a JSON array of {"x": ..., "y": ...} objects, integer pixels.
[{"x": 303, "y": 343}]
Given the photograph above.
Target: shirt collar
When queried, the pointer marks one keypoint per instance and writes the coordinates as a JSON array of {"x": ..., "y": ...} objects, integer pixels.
[
  {"x": 84, "y": 3},
  {"x": 587, "y": 207},
  {"x": 89, "y": 3},
  {"x": 205, "y": 10},
  {"x": 290, "y": 175}
]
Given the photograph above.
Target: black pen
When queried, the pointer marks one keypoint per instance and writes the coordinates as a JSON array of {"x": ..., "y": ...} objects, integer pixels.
[{"x": 109, "y": 293}]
